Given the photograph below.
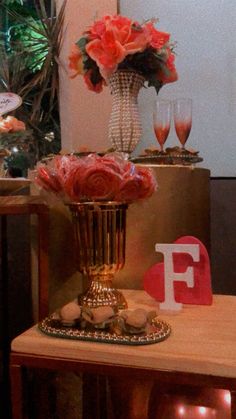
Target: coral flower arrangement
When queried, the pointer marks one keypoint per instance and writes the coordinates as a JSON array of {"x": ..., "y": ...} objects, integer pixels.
[
  {"x": 13, "y": 132},
  {"x": 11, "y": 124},
  {"x": 96, "y": 178},
  {"x": 117, "y": 42}
]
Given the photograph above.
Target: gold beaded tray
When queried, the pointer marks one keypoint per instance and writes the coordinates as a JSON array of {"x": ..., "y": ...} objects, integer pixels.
[
  {"x": 168, "y": 159},
  {"x": 53, "y": 327}
]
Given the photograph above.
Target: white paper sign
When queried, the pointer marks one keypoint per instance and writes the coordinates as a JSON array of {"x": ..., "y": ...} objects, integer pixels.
[{"x": 8, "y": 102}]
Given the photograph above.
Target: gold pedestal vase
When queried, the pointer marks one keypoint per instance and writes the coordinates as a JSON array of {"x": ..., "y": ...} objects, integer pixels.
[
  {"x": 100, "y": 231},
  {"x": 125, "y": 128}
]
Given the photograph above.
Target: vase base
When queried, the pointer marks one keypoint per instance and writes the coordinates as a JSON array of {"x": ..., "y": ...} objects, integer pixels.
[{"x": 101, "y": 294}]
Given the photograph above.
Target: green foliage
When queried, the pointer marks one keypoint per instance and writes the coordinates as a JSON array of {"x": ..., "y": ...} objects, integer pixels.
[
  {"x": 19, "y": 163},
  {"x": 31, "y": 40},
  {"x": 13, "y": 2},
  {"x": 82, "y": 43},
  {"x": 146, "y": 63},
  {"x": 29, "y": 55},
  {"x": 21, "y": 148},
  {"x": 10, "y": 139}
]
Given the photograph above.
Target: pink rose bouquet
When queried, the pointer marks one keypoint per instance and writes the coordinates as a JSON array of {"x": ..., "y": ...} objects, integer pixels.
[
  {"x": 117, "y": 42},
  {"x": 96, "y": 178}
]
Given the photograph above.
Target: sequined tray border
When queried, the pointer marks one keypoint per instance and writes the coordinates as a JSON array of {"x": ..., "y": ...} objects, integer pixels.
[{"x": 52, "y": 327}]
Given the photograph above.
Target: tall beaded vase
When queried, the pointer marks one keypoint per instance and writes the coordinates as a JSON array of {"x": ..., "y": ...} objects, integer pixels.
[
  {"x": 100, "y": 232},
  {"x": 125, "y": 128}
]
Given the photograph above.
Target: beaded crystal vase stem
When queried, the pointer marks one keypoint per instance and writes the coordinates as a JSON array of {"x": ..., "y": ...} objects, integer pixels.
[
  {"x": 100, "y": 231},
  {"x": 125, "y": 128}
]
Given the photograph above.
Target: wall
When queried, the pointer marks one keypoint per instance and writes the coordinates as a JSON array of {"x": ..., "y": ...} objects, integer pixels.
[
  {"x": 155, "y": 215},
  {"x": 200, "y": 69},
  {"x": 223, "y": 235},
  {"x": 206, "y": 62},
  {"x": 84, "y": 114}
]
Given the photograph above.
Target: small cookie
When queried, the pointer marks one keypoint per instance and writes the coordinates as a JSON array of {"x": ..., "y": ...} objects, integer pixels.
[
  {"x": 98, "y": 316},
  {"x": 70, "y": 313}
]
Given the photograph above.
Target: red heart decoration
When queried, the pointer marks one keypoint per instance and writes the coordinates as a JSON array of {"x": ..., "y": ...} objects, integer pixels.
[{"x": 201, "y": 293}]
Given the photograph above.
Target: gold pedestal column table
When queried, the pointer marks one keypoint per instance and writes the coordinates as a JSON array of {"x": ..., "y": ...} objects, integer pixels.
[{"x": 180, "y": 206}]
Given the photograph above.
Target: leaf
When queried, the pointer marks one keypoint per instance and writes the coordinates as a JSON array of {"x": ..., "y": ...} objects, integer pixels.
[
  {"x": 152, "y": 81},
  {"x": 82, "y": 43}
]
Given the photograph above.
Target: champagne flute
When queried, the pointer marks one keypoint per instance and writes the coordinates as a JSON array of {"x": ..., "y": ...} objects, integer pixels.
[
  {"x": 183, "y": 119},
  {"x": 161, "y": 120}
]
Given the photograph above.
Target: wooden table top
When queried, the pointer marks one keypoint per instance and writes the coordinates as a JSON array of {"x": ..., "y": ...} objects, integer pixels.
[{"x": 203, "y": 341}]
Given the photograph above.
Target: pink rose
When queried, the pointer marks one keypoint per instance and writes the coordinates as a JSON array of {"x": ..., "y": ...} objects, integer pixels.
[
  {"x": 99, "y": 183},
  {"x": 138, "y": 40},
  {"x": 158, "y": 38},
  {"x": 96, "y": 30},
  {"x": 129, "y": 169},
  {"x": 63, "y": 165},
  {"x": 97, "y": 88},
  {"x": 120, "y": 26},
  {"x": 129, "y": 189},
  {"x": 72, "y": 183},
  {"x": 48, "y": 179},
  {"x": 148, "y": 183},
  {"x": 128, "y": 33},
  {"x": 139, "y": 183},
  {"x": 107, "y": 52},
  {"x": 113, "y": 163},
  {"x": 94, "y": 177},
  {"x": 76, "y": 61}
]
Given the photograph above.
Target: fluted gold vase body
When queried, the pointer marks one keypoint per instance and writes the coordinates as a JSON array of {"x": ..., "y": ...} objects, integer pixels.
[{"x": 100, "y": 229}]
